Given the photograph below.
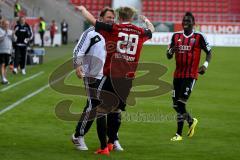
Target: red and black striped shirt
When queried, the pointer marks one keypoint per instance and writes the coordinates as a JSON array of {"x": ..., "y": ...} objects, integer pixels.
[{"x": 189, "y": 51}]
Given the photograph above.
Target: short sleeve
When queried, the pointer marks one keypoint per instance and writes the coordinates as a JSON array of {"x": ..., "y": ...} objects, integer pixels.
[
  {"x": 204, "y": 44},
  {"x": 172, "y": 43}
]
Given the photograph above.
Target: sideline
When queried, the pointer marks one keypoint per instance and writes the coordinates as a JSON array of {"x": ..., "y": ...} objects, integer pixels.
[{"x": 22, "y": 81}]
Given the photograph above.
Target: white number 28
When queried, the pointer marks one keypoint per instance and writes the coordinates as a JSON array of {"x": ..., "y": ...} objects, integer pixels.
[{"x": 128, "y": 44}]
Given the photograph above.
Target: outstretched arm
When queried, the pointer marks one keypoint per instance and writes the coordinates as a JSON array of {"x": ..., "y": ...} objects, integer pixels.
[{"x": 86, "y": 14}]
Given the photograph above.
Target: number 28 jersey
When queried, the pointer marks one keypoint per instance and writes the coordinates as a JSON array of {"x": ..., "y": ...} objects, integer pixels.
[{"x": 123, "y": 44}]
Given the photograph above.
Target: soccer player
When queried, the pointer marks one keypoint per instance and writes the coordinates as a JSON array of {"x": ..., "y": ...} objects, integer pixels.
[
  {"x": 187, "y": 46},
  {"x": 124, "y": 42},
  {"x": 89, "y": 58}
]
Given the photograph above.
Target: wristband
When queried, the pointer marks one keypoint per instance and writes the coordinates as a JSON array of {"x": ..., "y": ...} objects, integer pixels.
[{"x": 205, "y": 64}]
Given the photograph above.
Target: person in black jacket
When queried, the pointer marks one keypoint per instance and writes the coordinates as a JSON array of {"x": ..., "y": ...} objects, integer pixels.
[
  {"x": 23, "y": 34},
  {"x": 64, "y": 32}
]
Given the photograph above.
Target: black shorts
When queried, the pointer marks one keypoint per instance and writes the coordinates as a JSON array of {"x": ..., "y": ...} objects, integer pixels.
[
  {"x": 119, "y": 88},
  {"x": 182, "y": 88},
  {"x": 4, "y": 59}
]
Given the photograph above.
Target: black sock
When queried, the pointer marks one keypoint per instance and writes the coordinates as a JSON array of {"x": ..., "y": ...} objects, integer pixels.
[
  {"x": 188, "y": 118},
  {"x": 180, "y": 123},
  {"x": 102, "y": 131},
  {"x": 181, "y": 116},
  {"x": 113, "y": 123},
  {"x": 183, "y": 111}
]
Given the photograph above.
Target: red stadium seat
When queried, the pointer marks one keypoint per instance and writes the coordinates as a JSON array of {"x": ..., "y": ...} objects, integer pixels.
[
  {"x": 173, "y": 10},
  {"x": 187, "y": 4},
  {"x": 157, "y": 8},
  {"x": 157, "y": 3},
  {"x": 181, "y": 3},
  {"x": 181, "y": 9},
  {"x": 163, "y": 3}
]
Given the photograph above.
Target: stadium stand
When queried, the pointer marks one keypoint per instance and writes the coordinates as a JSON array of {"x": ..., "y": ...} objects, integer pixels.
[
  {"x": 204, "y": 10},
  {"x": 11, "y": 3},
  {"x": 92, "y": 5}
]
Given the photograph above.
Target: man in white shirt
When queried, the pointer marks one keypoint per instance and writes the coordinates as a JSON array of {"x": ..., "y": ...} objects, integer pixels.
[
  {"x": 6, "y": 36},
  {"x": 89, "y": 57}
]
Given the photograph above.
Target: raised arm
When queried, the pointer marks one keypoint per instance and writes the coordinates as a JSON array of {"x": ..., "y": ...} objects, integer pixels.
[
  {"x": 87, "y": 15},
  {"x": 148, "y": 23}
]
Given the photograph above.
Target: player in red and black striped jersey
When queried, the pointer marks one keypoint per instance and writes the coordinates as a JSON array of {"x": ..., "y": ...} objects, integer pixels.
[{"x": 187, "y": 46}]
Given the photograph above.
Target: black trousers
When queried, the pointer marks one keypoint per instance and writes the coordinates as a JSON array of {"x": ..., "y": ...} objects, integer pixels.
[
  {"x": 20, "y": 56},
  {"x": 89, "y": 112},
  {"x": 42, "y": 38},
  {"x": 64, "y": 37},
  {"x": 52, "y": 39}
]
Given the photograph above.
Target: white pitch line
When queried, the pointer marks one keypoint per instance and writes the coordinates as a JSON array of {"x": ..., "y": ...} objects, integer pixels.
[
  {"x": 29, "y": 96},
  {"x": 23, "y": 99},
  {"x": 20, "y": 82}
]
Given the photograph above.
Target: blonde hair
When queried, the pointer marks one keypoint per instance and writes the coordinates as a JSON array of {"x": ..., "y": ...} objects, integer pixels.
[{"x": 126, "y": 13}]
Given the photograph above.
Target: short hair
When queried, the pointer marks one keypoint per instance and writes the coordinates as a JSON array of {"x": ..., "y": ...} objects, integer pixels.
[
  {"x": 105, "y": 10},
  {"x": 189, "y": 14},
  {"x": 126, "y": 13}
]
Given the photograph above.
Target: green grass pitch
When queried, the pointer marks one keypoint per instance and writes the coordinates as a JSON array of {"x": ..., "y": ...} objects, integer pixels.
[{"x": 32, "y": 131}]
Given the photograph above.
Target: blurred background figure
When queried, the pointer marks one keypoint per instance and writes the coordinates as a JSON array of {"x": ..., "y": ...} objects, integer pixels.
[
  {"x": 64, "y": 31},
  {"x": 53, "y": 30},
  {"x": 6, "y": 36},
  {"x": 23, "y": 34},
  {"x": 17, "y": 8},
  {"x": 42, "y": 29}
]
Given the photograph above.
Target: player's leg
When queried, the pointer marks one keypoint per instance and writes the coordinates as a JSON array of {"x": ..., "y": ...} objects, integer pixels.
[
  {"x": 180, "y": 120},
  {"x": 183, "y": 95},
  {"x": 121, "y": 88},
  {"x": 187, "y": 88},
  {"x": 102, "y": 129},
  {"x": 113, "y": 124},
  {"x": 102, "y": 110}
]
